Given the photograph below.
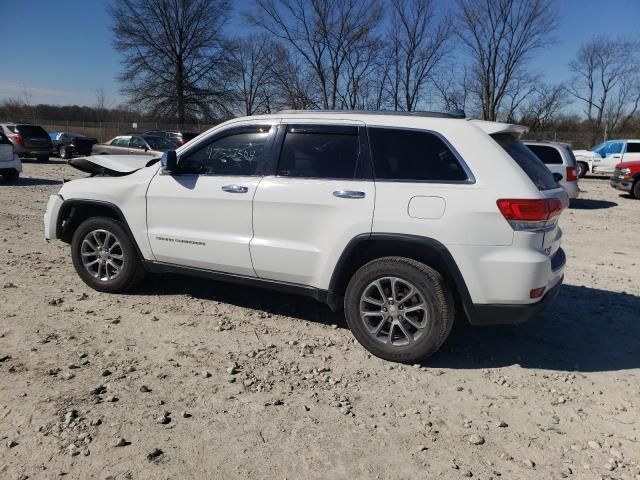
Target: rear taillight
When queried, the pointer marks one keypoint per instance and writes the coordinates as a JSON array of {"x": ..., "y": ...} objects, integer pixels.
[
  {"x": 571, "y": 174},
  {"x": 19, "y": 138},
  {"x": 531, "y": 215}
]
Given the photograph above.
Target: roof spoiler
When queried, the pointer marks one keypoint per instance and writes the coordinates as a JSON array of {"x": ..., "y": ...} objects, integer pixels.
[{"x": 493, "y": 128}]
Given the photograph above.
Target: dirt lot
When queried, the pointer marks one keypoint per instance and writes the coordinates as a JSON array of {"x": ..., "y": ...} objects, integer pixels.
[{"x": 231, "y": 382}]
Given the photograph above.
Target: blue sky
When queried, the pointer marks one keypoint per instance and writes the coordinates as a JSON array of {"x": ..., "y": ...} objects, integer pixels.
[{"x": 60, "y": 51}]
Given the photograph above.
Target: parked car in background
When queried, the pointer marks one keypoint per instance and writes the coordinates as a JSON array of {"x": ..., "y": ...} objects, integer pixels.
[
  {"x": 403, "y": 219},
  {"x": 10, "y": 164},
  {"x": 134, "y": 145},
  {"x": 68, "y": 144},
  {"x": 603, "y": 158},
  {"x": 179, "y": 137},
  {"x": 558, "y": 158},
  {"x": 29, "y": 141},
  {"x": 626, "y": 177}
]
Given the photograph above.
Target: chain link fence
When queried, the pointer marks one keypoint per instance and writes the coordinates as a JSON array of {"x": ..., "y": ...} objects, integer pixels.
[{"x": 104, "y": 131}]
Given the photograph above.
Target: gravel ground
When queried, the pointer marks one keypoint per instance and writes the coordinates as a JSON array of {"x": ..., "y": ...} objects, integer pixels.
[{"x": 192, "y": 379}]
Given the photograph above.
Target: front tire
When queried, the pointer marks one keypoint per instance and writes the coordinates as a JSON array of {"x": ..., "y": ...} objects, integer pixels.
[
  {"x": 583, "y": 169},
  {"x": 105, "y": 257},
  {"x": 399, "y": 309},
  {"x": 63, "y": 152},
  {"x": 635, "y": 190}
]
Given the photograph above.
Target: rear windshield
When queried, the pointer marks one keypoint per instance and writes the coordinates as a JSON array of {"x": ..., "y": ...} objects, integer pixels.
[
  {"x": 539, "y": 174},
  {"x": 31, "y": 131}
]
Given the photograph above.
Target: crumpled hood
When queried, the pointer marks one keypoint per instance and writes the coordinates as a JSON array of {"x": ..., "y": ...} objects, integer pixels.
[{"x": 111, "y": 165}]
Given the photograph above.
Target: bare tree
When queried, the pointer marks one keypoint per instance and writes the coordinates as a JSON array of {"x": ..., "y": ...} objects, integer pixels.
[
  {"x": 501, "y": 36},
  {"x": 322, "y": 33},
  {"x": 419, "y": 43},
  {"x": 171, "y": 50},
  {"x": 294, "y": 87},
  {"x": 252, "y": 68},
  {"x": 102, "y": 99},
  {"x": 624, "y": 105},
  {"x": 544, "y": 105},
  {"x": 452, "y": 86},
  {"x": 605, "y": 73}
]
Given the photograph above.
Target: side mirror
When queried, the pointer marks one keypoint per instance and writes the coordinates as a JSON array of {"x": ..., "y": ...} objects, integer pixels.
[{"x": 169, "y": 162}]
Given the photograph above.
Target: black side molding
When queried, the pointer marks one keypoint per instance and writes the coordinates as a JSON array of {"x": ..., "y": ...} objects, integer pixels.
[{"x": 316, "y": 293}]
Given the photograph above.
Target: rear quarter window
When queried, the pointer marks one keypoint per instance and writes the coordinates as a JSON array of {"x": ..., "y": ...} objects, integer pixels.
[
  {"x": 413, "y": 155},
  {"x": 537, "y": 171},
  {"x": 633, "y": 147}
]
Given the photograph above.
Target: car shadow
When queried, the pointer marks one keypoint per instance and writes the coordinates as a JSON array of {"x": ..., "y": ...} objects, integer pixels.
[
  {"x": 269, "y": 301},
  {"x": 30, "y": 182},
  {"x": 583, "y": 330},
  {"x": 588, "y": 204}
]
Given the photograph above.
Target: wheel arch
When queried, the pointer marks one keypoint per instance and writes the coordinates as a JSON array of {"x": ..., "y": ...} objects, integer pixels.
[
  {"x": 75, "y": 211},
  {"x": 367, "y": 247}
]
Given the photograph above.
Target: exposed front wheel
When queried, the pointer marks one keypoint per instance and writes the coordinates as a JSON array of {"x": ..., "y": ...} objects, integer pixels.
[
  {"x": 583, "y": 169},
  {"x": 105, "y": 257},
  {"x": 399, "y": 309}
]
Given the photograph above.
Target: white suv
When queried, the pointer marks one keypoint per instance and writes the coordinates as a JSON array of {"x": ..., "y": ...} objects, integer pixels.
[
  {"x": 558, "y": 158},
  {"x": 403, "y": 219}
]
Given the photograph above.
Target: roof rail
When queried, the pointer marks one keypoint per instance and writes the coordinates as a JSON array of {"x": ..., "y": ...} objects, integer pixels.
[{"x": 450, "y": 114}]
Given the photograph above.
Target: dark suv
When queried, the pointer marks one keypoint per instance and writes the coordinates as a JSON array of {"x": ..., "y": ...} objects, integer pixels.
[{"x": 29, "y": 141}]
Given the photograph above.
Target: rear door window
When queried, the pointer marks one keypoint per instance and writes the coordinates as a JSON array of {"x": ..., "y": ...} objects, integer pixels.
[
  {"x": 537, "y": 171},
  {"x": 633, "y": 147},
  {"x": 413, "y": 155},
  {"x": 548, "y": 155},
  {"x": 319, "y": 152}
]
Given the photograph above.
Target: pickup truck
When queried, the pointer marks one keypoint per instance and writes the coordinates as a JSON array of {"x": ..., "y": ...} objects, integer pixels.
[
  {"x": 626, "y": 177},
  {"x": 603, "y": 158}
]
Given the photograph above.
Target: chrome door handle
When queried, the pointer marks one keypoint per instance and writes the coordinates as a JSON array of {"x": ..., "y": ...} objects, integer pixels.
[
  {"x": 348, "y": 194},
  {"x": 235, "y": 189}
]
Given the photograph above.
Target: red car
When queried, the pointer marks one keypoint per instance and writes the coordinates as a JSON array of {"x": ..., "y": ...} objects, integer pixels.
[{"x": 626, "y": 177}]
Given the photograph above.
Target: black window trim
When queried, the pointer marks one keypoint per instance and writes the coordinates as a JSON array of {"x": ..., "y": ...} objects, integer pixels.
[
  {"x": 364, "y": 169},
  {"x": 471, "y": 179},
  {"x": 227, "y": 132}
]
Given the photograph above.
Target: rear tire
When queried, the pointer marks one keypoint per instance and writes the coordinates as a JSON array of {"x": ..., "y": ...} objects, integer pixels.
[
  {"x": 105, "y": 257},
  {"x": 399, "y": 309},
  {"x": 10, "y": 176},
  {"x": 43, "y": 158},
  {"x": 583, "y": 169}
]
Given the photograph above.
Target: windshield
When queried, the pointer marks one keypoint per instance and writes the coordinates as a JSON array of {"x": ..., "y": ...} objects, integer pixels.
[
  {"x": 159, "y": 143},
  {"x": 608, "y": 148},
  {"x": 31, "y": 131}
]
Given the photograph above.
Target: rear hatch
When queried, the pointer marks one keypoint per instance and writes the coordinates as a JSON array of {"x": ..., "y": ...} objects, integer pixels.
[
  {"x": 538, "y": 217},
  {"x": 33, "y": 136}
]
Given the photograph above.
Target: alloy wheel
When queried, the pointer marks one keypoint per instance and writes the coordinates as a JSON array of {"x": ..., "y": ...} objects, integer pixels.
[
  {"x": 393, "y": 311},
  {"x": 102, "y": 255}
]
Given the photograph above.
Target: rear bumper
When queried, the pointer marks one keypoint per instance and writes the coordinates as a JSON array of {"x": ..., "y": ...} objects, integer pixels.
[
  {"x": 510, "y": 314},
  {"x": 622, "y": 184}
]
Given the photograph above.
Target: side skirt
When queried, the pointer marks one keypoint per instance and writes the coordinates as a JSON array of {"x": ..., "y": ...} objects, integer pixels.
[{"x": 333, "y": 301}]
